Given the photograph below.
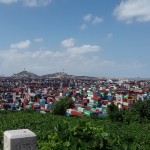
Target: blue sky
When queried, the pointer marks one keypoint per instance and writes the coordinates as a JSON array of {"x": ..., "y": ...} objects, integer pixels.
[{"x": 103, "y": 38}]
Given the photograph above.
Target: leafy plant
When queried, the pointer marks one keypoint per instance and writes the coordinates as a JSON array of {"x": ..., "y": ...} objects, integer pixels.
[
  {"x": 114, "y": 113},
  {"x": 61, "y": 106},
  {"x": 72, "y": 133},
  {"x": 143, "y": 108}
]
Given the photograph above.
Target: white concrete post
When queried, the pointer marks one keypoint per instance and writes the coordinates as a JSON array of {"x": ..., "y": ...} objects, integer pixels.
[{"x": 22, "y": 139}]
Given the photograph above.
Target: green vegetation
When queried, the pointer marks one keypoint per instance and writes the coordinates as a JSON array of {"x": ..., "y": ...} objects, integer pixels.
[
  {"x": 143, "y": 108},
  {"x": 61, "y": 106},
  {"x": 53, "y": 130},
  {"x": 122, "y": 130},
  {"x": 140, "y": 112}
]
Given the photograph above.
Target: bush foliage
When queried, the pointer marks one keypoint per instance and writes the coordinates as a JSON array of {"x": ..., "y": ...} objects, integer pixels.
[
  {"x": 122, "y": 130},
  {"x": 61, "y": 106}
]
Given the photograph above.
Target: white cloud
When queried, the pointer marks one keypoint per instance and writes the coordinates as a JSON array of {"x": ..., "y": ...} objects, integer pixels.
[
  {"x": 81, "y": 60},
  {"x": 133, "y": 10},
  {"x": 38, "y": 40},
  {"x": 109, "y": 36},
  {"x": 84, "y": 49},
  {"x": 47, "y": 61},
  {"x": 21, "y": 44},
  {"x": 83, "y": 27},
  {"x": 68, "y": 42},
  {"x": 87, "y": 17},
  {"x": 29, "y": 3},
  {"x": 8, "y": 1},
  {"x": 97, "y": 20},
  {"x": 36, "y": 3}
]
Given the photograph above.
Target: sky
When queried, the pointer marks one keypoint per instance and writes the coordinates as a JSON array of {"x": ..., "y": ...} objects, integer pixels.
[{"x": 101, "y": 38}]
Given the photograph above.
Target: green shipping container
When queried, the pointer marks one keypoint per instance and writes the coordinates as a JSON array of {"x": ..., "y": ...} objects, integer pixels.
[
  {"x": 104, "y": 109},
  {"x": 97, "y": 102},
  {"x": 94, "y": 109},
  {"x": 87, "y": 113},
  {"x": 92, "y": 93}
]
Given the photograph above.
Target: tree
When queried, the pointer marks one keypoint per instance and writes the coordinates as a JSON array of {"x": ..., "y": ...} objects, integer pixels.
[
  {"x": 61, "y": 106},
  {"x": 114, "y": 113},
  {"x": 143, "y": 108}
]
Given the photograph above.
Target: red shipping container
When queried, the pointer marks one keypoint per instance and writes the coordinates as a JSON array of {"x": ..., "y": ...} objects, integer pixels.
[
  {"x": 87, "y": 107},
  {"x": 76, "y": 113},
  {"x": 97, "y": 98}
]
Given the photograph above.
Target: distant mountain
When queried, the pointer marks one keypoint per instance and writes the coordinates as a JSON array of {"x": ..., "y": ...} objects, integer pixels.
[
  {"x": 57, "y": 75},
  {"x": 25, "y": 74},
  {"x": 64, "y": 75},
  {"x": 85, "y": 77}
]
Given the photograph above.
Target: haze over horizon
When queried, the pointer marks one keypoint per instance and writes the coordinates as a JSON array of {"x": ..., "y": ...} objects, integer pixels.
[{"x": 99, "y": 38}]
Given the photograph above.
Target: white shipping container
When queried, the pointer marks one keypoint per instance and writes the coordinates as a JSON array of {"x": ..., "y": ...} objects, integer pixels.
[
  {"x": 91, "y": 101},
  {"x": 80, "y": 109},
  {"x": 45, "y": 90},
  {"x": 89, "y": 98},
  {"x": 32, "y": 94},
  {"x": 42, "y": 112},
  {"x": 90, "y": 104},
  {"x": 69, "y": 111},
  {"x": 78, "y": 105},
  {"x": 14, "y": 96},
  {"x": 109, "y": 103},
  {"x": 125, "y": 103},
  {"x": 120, "y": 106},
  {"x": 46, "y": 106},
  {"x": 92, "y": 96},
  {"x": 104, "y": 105}
]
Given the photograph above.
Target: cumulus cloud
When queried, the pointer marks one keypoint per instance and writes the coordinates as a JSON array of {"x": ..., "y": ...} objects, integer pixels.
[
  {"x": 109, "y": 36},
  {"x": 8, "y": 1},
  {"x": 47, "y": 61},
  {"x": 68, "y": 42},
  {"x": 83, "y": 27},
  {"x": 87, "y": 17},
  {"x": 78, "y": 60},
  {"x": 29, "y": 3},
  {"x": 21, "y": 45},
  {"x": 97, "y": 20},
  {"x": 38, "y": 40},
  {"x": 84, "y": 49},
  {"x": 36, "y": 3},
  {"x": 133, "y": 10},
  {"x": 92, "y": 19}
]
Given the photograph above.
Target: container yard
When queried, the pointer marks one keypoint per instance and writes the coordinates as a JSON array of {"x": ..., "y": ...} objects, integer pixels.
[{"x": 91, "y": 96}]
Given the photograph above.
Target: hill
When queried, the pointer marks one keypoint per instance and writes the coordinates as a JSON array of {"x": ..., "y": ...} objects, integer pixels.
[
  {"x": 25, "y": 74},
  {"x": 58, "y": 75}
]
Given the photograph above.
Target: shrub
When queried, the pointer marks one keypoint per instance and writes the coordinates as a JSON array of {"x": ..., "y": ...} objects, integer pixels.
[{"x": 61, "y": 106}]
